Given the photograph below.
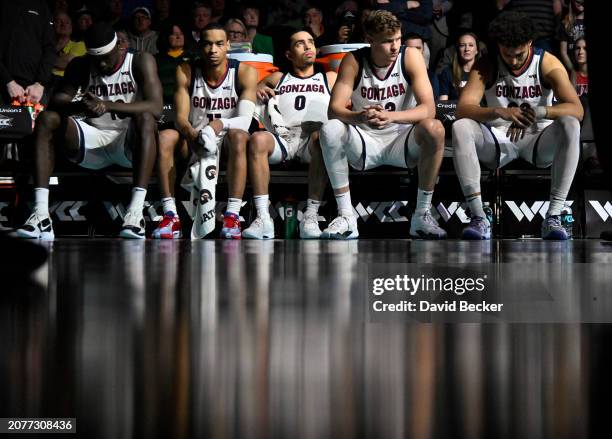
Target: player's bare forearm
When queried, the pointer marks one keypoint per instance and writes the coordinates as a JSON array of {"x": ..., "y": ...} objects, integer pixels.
[
  {"x": 476, "y": 112},
  {"x": 565, "y": 109},
  {"x": 345, "y": 115},
  {"x": 413, "y": 115},
  {"x": 154, "y": 107},
  {"x": 62, "y": 103},
  {"x": 185, "y": 128}
]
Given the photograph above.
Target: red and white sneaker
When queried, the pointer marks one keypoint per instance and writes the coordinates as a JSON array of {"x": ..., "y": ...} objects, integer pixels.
[
  {"x": 168, "y": 228},
  {"x": 231, "y": 226}
]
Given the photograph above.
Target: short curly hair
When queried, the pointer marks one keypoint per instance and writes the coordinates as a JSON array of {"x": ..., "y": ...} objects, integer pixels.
[
  {"x": 512, "y": 29},
  {"x": 381, "y": 21}
]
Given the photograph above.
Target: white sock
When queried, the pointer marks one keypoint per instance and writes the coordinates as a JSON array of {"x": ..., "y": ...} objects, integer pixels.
[
  {"x": 312, "y": 206},
  {"x": 138, "y": 199},
  {"x": 234, "y": 205},
  {"x": 169, "y": 205},
  {"x": 475, "y": 204},
  {"x": 262, "y": 203},
  {"x": 345, "y": 206},
  {"x": 41, "y": 201},
  {"x": 423, "y": 203},
  {"x": 556, "y": 205}
]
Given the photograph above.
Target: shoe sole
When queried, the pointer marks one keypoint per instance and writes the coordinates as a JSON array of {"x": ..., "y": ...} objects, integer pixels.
[
  {"x": 556, "y": 236},
  {"x": 173, "y": 235},
  {"x": 422, "y": 235},
  {"x": 475, "y": 237},
  {"x": 229, "y": 236},
  {"x": 44, "y": 236},
  {"x": 128, "y": 234}
]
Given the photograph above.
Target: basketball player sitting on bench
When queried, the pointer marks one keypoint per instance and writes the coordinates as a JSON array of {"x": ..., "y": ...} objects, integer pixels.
[
  {"x": 518, "y": 121},
  {"x": 121, "y": 99},
  {"x": 297, "y": 107}
]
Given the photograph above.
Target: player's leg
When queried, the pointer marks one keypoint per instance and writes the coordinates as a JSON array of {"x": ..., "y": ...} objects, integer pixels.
[
  {"x": 144, "y": 153},
  {"x": 427, "y": 141},
  {"x": 559, "y": 145},
  {"x": 472, "y": 142},
  {"x": 50, "y": 129},
  {"x": 172, "y": 149},
  {"x": 260, "y": 148},
  {"x": 339, "y": 148},
  {"x": 317, "y": 180},
  {"x": 236, "y": 144}
]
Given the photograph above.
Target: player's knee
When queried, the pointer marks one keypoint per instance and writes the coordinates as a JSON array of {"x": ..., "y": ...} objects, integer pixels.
[
  {"x": 431, "y": 135},
  {"x": 237, "y": 141},
  {"x": 258, "y": 144},
  {"x": 48, "y": 120},
  {"x": 569, "y": 126},
  {"x": 168, "y": 141},
  {"x": 460, "y": 130},
  {"x": 146, "y": 121},
  {"x": 331, "y": 133}
]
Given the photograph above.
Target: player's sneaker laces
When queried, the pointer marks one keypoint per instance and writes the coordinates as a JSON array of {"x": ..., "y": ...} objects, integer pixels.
[
  {"x": 133, "y": 226},
  {"x": 552, "y": 228},
  {"x": 260, "y": 228},
  {"x": 424, "y": 226},
  {"x": 231, "y": 226},
  {"x": 479, "y": 228},
  {"x": 169, "y": 227},
  {"x": 342, "y": 227},
  {"x": 309, "y": 226},
  {"x": 37, "y": 226}
]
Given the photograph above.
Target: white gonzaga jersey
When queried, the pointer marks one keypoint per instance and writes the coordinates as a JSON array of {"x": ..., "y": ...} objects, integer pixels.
[
  {"x": 522, "y": 89},
  {"x": 302, "y": 99},
  {"x": 119, "y": 86},
  {"x": 392, "y": 91},
  {"x": 210, "y": 102}
]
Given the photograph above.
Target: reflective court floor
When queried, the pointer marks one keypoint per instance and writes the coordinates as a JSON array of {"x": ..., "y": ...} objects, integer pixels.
[{"x": 276, "y": 339}]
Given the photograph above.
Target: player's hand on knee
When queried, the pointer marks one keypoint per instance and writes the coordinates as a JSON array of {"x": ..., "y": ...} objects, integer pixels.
[{"x": 265, "y": 93}]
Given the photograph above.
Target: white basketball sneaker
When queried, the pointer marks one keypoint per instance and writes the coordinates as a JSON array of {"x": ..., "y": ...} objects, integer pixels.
[
  {"x": 309, "y": 226},
  {"x": 424, "y": 226},
  {"x": 133, "y": 226},
  {"x": 260, "y": 228},
  {"x": 342, "y": 227},
  {"x": 37, "y": 226}
]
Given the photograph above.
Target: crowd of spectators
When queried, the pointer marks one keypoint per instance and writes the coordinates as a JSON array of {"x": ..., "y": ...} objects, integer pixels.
[{"x": 450, "y": 33}]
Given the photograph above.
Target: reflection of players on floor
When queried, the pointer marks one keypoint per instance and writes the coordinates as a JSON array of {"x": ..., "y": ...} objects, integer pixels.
[
  {"x": 519, "y": 121},
  {"x": 296, "y": 106},
  {"x": 122, "y": 98},
  {"x": 215, "y": 101},
  {"x": 391, "y": 123}
]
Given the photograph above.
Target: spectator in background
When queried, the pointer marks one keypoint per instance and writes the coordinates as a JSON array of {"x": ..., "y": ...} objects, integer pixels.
[
  {"x": 544, "y": 15},
  {"x": 116, "y": 15},
  {"x": 454, "y": 77},
  {"x": 142, "y": 38},
  {"x": 162, "y": 14},
  {"x": 580, "y": 73},
  {"x": 218, "y": 11},
  {"x": 580, "y": 78},
  {"x": 171, "y": 46},
  {"x": 202, "y": 13},
  {"x": 84, "y": 20},
  {"x": 236, "y": 31},
  {"x": 65, "y": 48},
  {"x": 261, "y": 43},
  {"x": 27, "y": 50},
  {"x": 358, "y": 34},
  {"x": 415, "y": 16},
  {"x": 60, "y": 6},
  {"x": 570, "y": 31},
  {"x": 416, "y": 41},
  {"x": 123, "y": 41},
  {"x": 439, "y": 29},
  {"x": 346, "y": 21},
  {"x": 313, "y": 21}
]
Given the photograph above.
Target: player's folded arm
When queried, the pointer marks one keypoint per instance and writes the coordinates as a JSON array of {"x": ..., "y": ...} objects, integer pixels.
[
  {"x": 343, "y": 90},
  {"x": 468, "y": 106},
  {"x": 556, "y": 76}
]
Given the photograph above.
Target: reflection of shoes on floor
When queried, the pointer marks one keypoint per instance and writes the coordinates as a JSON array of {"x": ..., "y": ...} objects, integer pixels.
[
  {"x": 19, "y": 257},
  {"x": 606, "y": 235}
]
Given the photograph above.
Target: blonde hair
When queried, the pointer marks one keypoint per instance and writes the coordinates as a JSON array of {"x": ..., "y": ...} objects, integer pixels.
[
  {"x": 381, "y": 21},
  {"x": 457, "y": 68}
]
